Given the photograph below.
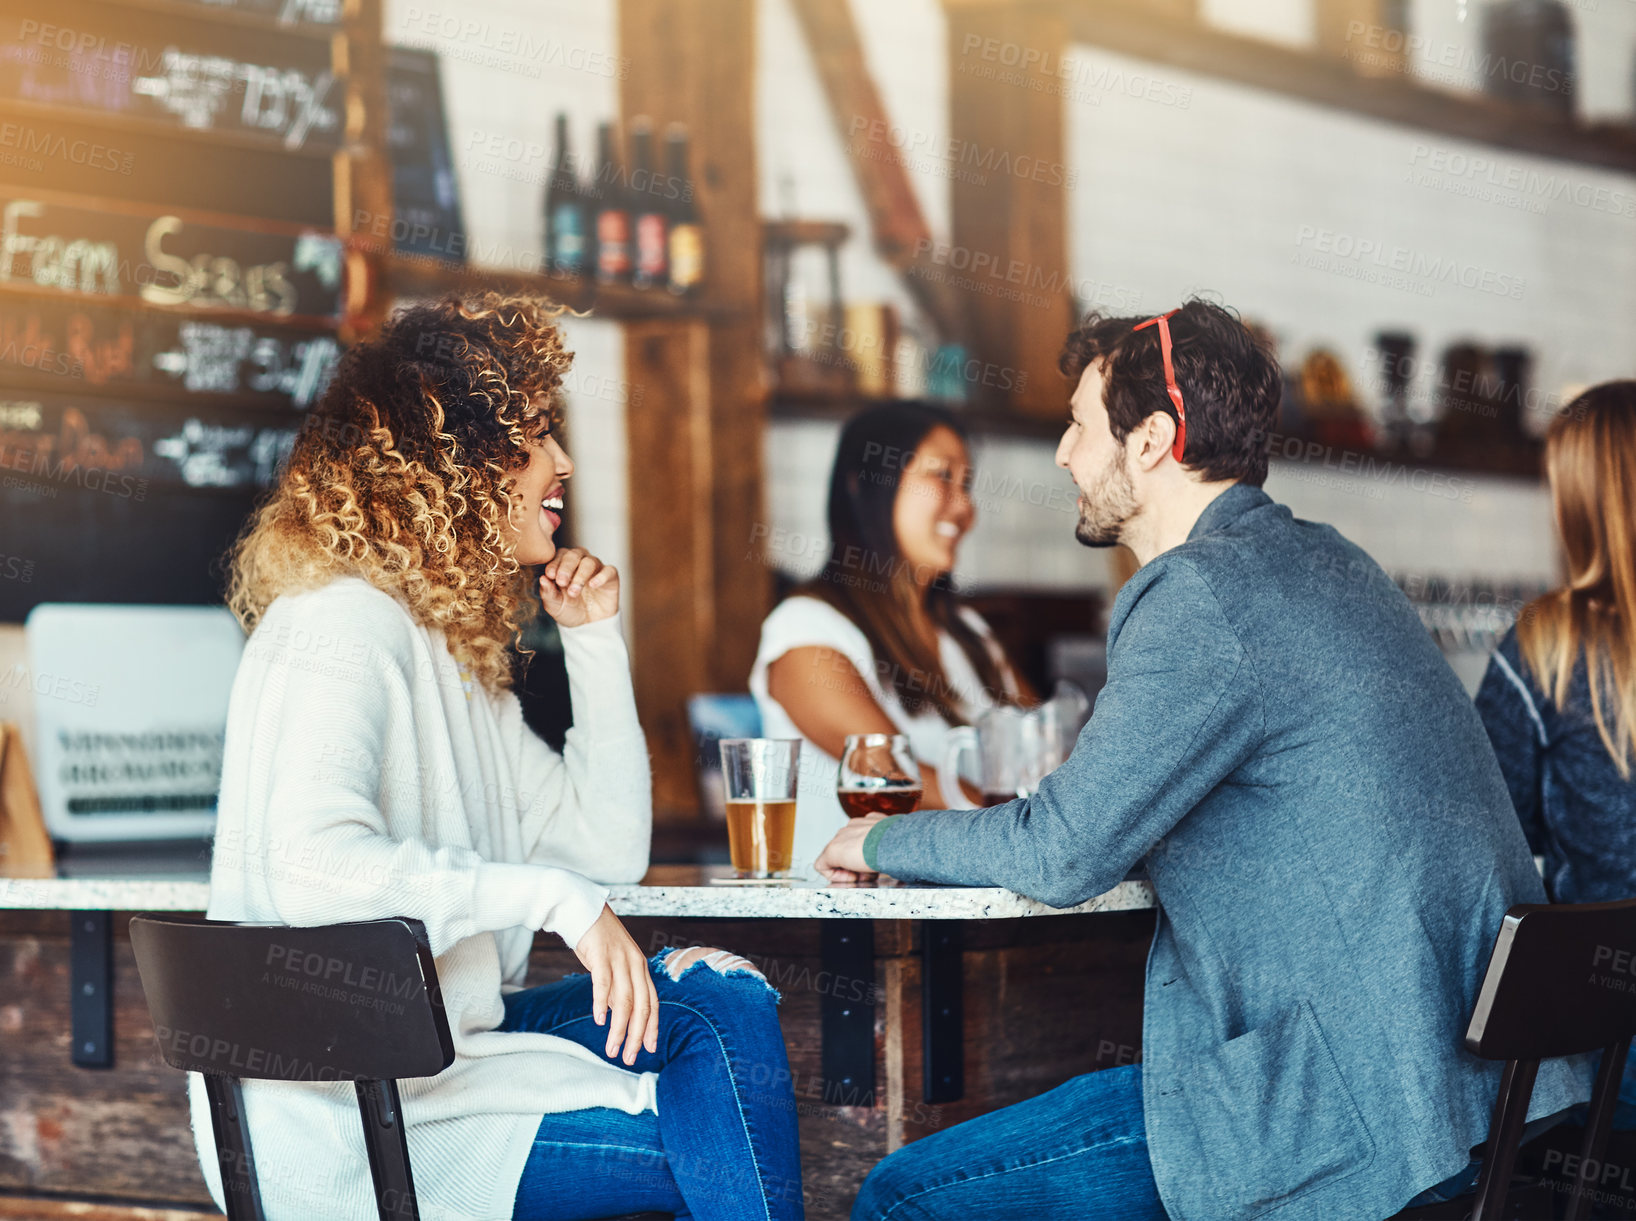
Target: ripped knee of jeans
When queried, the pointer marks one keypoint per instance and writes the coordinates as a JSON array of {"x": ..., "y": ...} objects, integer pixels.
[{"x": 680, "y": 962}]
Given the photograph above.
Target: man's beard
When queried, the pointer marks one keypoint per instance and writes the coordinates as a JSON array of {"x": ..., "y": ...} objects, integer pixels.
[{"x": 1106, "y": 507}]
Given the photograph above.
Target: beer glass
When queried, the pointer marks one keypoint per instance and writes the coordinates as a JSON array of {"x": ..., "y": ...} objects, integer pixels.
[
  {"x": 760, "y": 775},
  {"x": 878, "y": 775}
]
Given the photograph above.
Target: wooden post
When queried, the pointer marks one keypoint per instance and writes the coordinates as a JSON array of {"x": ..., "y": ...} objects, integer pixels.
[
  {"x": 1010, "y": 223},
  {"x": 363, "y": 172},
  {"x": 696, "y": 426}
]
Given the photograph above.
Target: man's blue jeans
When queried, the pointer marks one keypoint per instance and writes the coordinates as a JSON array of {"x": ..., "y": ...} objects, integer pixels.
[
  {"x": 723, "y": 1146},
  {"x": 1078, "y": 1151}
]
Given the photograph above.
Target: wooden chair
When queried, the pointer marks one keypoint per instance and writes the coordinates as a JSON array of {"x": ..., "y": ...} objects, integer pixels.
[
  {"x": 1561, "y": 980},
  {"x": 343, "y": 1002}
]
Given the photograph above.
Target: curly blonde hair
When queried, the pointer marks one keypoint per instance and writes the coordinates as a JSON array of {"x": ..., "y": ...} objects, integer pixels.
[{"x": 402, "y": 473}]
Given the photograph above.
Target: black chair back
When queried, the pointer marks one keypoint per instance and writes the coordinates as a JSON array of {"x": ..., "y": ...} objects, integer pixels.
[
  {"x": 1561, "y": 980},
  {"x": 342, "y": 1002}
]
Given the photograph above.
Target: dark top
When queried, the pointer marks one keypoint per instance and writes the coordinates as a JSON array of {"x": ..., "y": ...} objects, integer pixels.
[
  {"x": 1576, "y": 810},
  {"x": 1329, "y": 839}
]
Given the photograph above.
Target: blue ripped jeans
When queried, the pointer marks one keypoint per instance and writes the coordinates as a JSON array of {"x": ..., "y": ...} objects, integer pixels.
[
  {"x": 723, "y": 1146},
  {"x": 1078, "y": 1151}
]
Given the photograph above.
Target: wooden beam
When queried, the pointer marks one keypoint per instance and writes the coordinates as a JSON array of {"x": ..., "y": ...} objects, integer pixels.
[
  {"x": 856, "y": 106},
  {"x": 1009, "y": 251},
  {"x": 902, "y": 236},
  {"x": 695, "y": 429},
  {"x": 1162, "y": 32},
  {"x": 363, "y": 171},
  {"x": 1320, "y": 80},
  {"x": 672, "y": 599}
]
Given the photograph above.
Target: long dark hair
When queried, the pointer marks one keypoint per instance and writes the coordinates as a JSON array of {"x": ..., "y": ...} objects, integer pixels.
[{"x": 867, "y": 577}]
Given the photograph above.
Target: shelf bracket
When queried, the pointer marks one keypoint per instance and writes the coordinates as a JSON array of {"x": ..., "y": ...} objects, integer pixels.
[
  {"x": 91, "y": 991},
  {"x": 943, "y": 1019},
  {"x": 847, "y": 949}
]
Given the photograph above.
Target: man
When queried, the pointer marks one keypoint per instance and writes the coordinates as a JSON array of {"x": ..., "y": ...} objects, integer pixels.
[{"x": 1322, "y": 818}]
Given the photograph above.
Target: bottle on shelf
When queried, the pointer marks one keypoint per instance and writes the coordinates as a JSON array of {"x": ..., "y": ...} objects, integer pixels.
[
  {"x": 686, "y": 233},
  {"x": 567, "y": 212},
  {"x": 613, "y": 213},
  {"x": 649, "y": 211}
]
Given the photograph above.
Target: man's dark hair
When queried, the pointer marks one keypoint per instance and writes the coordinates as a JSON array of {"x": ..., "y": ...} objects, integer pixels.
[{"x": 1230, "y": 384}]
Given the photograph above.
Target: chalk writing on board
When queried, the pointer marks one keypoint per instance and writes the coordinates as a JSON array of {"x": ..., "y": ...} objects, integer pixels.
[
  {"x": 74, "y": 249},
  {"x": 200, "y": 89},
  {"x": 226, "y": 456},
  {"x": 118, "y": 449},
  {"x": 53, "y": 261},
  {"x": 286, "y": 12},
  {"x": 225, "y": 360},
  {"x": 51, "y": 343}
]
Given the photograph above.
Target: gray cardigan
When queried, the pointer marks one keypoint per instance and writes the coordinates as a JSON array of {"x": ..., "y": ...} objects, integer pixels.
[{"x": 1333, "y": 849}]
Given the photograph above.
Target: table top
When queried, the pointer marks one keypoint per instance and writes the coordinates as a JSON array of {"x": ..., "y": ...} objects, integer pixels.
[{"x": 667, "y": 890}]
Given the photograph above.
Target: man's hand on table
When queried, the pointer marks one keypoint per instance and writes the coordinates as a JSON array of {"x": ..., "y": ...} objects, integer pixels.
[{"x": 842, "y": 858}]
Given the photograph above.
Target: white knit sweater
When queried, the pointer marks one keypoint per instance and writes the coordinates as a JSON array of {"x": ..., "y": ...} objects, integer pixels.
[{"x": 366, "y": 777}]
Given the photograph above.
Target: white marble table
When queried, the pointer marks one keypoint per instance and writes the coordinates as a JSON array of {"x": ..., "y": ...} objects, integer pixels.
[
  {"x": 847, "y": 1021},
  {"x": 667, "y": 890}
]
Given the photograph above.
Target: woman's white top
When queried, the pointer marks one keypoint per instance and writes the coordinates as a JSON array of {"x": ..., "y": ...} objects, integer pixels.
[
  {"x": 803, "y": 621},
  {"x": 365, "y": 776}
]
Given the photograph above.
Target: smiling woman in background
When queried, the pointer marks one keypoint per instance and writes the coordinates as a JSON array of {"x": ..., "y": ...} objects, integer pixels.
[{"x": 878, "y": 642}]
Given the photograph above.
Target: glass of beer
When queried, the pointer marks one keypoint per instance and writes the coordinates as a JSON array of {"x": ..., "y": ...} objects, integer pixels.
[
  {"x": 761, "y": 774},
  {"x": 878, "y": 775}
]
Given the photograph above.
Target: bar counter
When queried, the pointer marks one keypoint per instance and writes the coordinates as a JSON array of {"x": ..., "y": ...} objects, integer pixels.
[
  {"x": 666, "y": 890},
  {"x": 905, "y": 1008}
]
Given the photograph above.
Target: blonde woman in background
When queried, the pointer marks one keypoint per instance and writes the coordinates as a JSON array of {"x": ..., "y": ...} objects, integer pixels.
[{"x": 1559, "y": 698}]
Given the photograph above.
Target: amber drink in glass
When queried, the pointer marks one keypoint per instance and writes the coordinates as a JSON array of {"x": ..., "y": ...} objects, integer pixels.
[
  {"x": 878, "y": 775},
  {"x": 761, "y": 774}
]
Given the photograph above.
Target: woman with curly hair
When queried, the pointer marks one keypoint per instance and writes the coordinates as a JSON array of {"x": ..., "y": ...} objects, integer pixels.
[{"x": 377, "y": 765}]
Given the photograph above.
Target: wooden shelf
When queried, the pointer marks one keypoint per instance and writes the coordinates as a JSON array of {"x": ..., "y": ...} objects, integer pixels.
[
  {"x": 1327, "y": 80},
  {"x": 426, "y": 275},
  {"x": 979, "y": 421}
]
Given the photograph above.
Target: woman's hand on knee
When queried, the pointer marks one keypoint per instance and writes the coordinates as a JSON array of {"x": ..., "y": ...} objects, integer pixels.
[{"x": 622, "y": 992}]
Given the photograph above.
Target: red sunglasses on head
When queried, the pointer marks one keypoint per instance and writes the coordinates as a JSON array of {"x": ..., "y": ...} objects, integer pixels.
[{"x": 1177, "y": 449}]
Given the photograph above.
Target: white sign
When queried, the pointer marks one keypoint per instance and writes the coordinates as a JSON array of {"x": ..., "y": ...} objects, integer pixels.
[{"x": 130, "y": 711}]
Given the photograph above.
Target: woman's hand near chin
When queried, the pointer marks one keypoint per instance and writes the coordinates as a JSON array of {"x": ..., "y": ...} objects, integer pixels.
[{"x": 576, "y": 588}]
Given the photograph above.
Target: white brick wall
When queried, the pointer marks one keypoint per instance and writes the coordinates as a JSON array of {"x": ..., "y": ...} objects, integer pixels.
[{"x": 1301, "y": 217}]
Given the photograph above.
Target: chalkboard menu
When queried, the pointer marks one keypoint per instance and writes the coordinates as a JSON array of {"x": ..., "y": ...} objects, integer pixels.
[
  {"x": 425, "y": 198},
  {"x": 163, "y": 259},
  {"x": 81, "y": 347},
  {"x": 266, "y": 85},
  {"x": 171, "y": 284},
  {"x": 139, "y": 165}
]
